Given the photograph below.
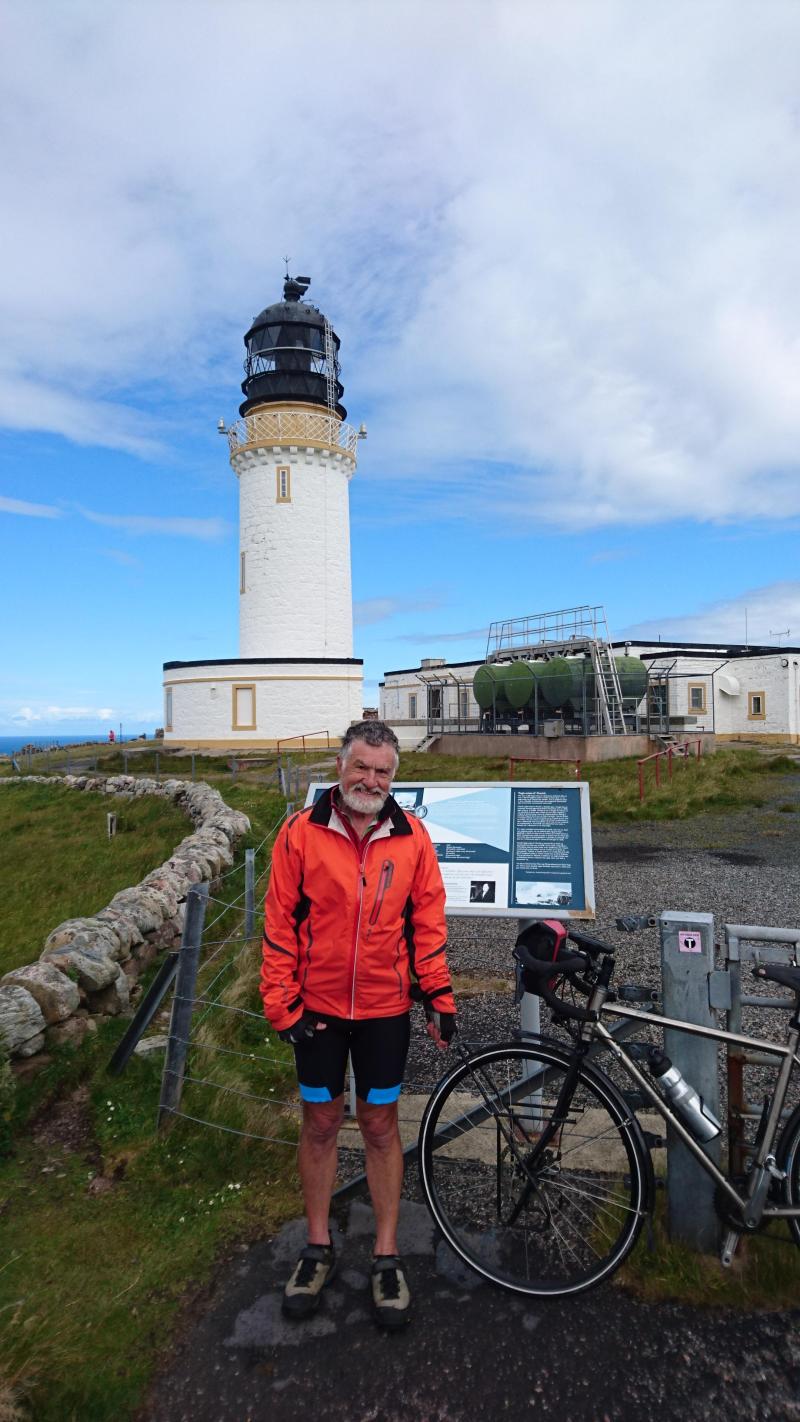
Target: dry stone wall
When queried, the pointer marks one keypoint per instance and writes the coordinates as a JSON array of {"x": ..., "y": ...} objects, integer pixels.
[{"x": 88, "y": 965}]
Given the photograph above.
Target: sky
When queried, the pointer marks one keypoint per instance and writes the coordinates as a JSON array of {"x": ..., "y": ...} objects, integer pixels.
[{"x": 558, "y": 244}]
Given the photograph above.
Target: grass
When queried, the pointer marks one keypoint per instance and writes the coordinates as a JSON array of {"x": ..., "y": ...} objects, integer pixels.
[
  {"x": 765, "y": 1274},
  {"x": 107, "y": 1230},
  {"x": 726, "y": 780},
  {"x": 95, "y": 1276},
  {"x": 59, "y": 863}
]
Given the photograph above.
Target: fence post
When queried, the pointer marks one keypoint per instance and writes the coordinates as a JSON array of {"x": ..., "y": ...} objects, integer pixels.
[
  {"x": 249, "y": 892},
  {"x": 180, "y": 1024},
  {"x": 158, "y": 763},
  {"x": 687, "y": 962},
  {"x": 193, "y": 775}
]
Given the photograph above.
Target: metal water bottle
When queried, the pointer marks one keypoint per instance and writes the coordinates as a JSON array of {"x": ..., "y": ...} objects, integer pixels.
[{"x": 688, "y": 1106}]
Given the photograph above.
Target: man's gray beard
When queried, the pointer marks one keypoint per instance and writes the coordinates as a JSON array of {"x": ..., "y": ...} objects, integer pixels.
[{"x": 361, "y": 803}]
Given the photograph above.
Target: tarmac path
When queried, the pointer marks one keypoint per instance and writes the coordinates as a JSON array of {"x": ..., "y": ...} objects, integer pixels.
[{"x": 470, "y": 1351}]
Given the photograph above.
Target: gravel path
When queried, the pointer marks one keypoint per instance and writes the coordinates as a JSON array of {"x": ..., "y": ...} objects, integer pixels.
[{"x": 742, "y": 867}]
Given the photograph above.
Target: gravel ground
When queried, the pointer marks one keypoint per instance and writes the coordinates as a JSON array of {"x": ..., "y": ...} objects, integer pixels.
[{"x": 742, "y": 867}]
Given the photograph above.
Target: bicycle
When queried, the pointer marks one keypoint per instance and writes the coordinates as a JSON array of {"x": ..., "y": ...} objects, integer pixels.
[{"x": 533, "y": 1163}]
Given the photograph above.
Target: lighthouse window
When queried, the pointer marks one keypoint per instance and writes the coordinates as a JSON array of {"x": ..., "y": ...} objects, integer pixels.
[
  {"x": 168, "y": 708},
  {"x": 244, "y": 708},
  {"x": 756, "y": 706},
  {"x": 242, "y": 557},
  {"x": 283, "y": 492},
  {"x": 412, "y": 706}
]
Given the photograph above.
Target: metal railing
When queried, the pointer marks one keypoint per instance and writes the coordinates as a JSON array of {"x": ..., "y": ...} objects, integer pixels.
[
  {"x": 306, "y": 736},
  {"x": 668, "y": 753},
  {"x": 299, "y": 427}
]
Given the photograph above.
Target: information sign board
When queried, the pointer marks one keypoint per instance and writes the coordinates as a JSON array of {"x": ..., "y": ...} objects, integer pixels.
[{"x": 510, "y": 849}]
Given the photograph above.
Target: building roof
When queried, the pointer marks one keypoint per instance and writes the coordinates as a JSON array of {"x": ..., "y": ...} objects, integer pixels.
[{"x": 646, "y": 648}]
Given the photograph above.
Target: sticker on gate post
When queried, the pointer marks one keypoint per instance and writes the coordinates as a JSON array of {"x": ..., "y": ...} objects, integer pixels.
[{"x": 689, "y": 941}]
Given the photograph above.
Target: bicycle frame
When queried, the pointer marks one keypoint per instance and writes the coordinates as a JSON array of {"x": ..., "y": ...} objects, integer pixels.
[{"x": 753, "y": 1205}]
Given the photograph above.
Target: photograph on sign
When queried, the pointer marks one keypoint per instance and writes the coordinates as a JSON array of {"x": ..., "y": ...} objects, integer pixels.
[{"x": 506, "y": 849}]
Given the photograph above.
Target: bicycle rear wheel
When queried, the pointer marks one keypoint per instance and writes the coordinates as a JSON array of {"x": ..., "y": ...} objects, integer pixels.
[{"x": 541, "y": 1191}]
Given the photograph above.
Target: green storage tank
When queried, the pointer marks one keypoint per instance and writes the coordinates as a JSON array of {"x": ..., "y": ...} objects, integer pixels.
[
  {"x": 632, "y": 674},
  {"x": 555, "y": 683},
  {"x": 489, "y": 688},
  {"x": 519, "y": 681},
  {"x": 582, "y": 674}
]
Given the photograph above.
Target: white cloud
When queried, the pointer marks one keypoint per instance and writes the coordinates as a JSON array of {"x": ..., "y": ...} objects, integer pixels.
[
  {"x": 118, "y": 555},
  {"x": 20, "y": 506},
  {"x": 468, "y": 635},
  {"x": 569, "y": 251},
  {"x": 367, "y": 611},
  {"x": 768, "y": 616},
  {"x": 29, "y": 715},
  {"x": 141, "y": 524}
]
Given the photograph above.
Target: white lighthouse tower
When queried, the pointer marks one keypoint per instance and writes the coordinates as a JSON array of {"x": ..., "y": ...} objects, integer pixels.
[{"x": 293, "y": 455}]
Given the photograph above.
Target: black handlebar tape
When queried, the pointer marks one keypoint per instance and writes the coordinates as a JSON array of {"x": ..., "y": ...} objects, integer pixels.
[
  {"x": 549, "y": 968},
  {"x": 593, "y": 946},
  {"x": 566, "y": 1009}
]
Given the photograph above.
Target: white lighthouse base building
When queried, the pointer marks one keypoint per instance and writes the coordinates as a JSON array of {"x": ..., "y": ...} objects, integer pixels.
[{"x": 251, "y": 703}]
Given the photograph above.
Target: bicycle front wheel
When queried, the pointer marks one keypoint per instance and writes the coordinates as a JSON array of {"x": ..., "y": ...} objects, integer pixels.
[
  {"x": 789, "y": 1161},
  {"x": 538, "y": 1177}
]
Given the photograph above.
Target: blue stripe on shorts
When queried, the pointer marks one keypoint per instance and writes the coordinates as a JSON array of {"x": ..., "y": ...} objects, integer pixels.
[
  {"x": 316, "y": 1093},
  {"x": 383, "y": 1095}
]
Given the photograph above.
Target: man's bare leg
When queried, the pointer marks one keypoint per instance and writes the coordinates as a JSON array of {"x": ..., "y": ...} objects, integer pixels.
[
  {"x": 316, "y": 1159},
  {"x": 384, "y": 1165}
]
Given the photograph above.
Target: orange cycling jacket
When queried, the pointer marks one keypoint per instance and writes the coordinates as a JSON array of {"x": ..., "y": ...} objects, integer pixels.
[{"x": 347, "y": 930}]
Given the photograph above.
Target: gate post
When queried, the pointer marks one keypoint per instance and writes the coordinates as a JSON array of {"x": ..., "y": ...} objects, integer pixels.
[
  {"x": 249, "y": 892},
  {"x": 687, "y": 962},
  {"x": 180, "y": 1024}
]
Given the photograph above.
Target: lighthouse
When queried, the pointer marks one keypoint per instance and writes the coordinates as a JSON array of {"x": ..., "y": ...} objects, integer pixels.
[{"x": 293, "y": 456}]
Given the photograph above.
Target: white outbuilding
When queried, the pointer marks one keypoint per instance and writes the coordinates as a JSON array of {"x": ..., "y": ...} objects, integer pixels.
[
  {"x": 294, "y": 456},
  {"x": 719, "y": 690}
]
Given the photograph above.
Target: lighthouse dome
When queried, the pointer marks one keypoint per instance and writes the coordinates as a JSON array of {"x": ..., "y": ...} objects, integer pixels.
[{"x": 292, "y": 355}]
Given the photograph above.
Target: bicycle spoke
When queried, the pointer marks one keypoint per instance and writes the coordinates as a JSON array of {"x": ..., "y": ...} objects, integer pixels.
[{"x": 538, "y": 1203}]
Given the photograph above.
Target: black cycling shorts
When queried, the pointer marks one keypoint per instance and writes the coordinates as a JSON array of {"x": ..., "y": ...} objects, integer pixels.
[{"x": 377, "y": 1047}]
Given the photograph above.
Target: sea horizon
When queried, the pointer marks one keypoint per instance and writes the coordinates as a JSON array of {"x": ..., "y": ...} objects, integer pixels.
[{"x": 10, "y": 744}]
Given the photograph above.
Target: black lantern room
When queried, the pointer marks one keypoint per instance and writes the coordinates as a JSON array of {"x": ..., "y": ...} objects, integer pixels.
[{"x": 291, "y": 356}]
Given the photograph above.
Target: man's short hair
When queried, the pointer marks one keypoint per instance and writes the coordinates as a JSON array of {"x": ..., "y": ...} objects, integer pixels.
[{"x": 373, "y": 733}]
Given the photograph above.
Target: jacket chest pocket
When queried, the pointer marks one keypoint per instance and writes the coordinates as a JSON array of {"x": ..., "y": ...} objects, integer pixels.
[{"x": 384, "y": 880}]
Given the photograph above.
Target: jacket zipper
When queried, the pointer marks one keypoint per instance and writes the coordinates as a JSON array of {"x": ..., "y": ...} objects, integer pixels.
[
  {"x": 362, "y": 879},
  {"x": 383, "y": 884}
]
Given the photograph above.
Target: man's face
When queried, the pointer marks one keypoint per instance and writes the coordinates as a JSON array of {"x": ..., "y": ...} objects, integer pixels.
[{"x": 365, "y": 777}]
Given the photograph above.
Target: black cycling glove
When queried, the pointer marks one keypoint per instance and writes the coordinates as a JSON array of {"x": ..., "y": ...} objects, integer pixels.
[
  {"x": 300, "y": 1031},
  {"x": 445, "y": 1021}
]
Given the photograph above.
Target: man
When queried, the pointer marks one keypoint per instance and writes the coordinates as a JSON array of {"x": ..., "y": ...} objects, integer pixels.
[{"x": 354, "y": 919}]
